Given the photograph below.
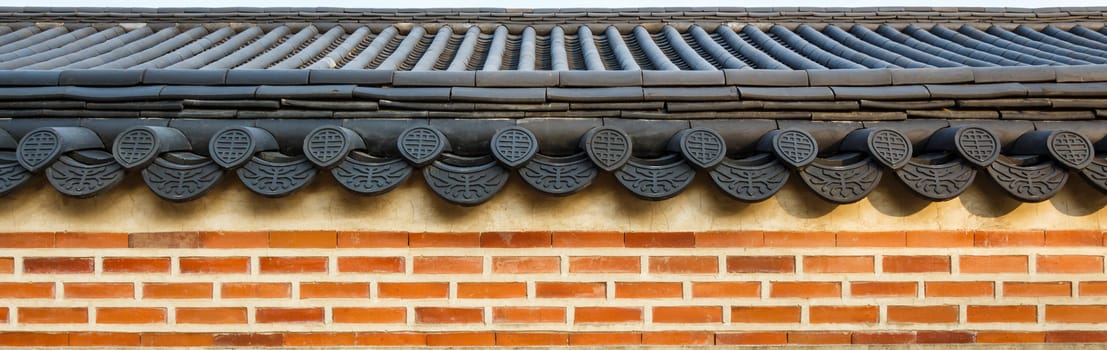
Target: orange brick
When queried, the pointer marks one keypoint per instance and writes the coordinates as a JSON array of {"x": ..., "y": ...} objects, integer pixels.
[
  {"x": 136, "y": 265},
  {"x": 587, "y": 239},
  {"x": 1010, "y": 337},
  {"x": 1076, "y": 313},
  {"x": 1076, "y": 337},
  {"x": 528, "y": 315},
  {"x": 99, "y": 290},
  {"x": 303, "y": 239},
  {"x": 605, "y": 264},
  {"x": 88, "y": 339},
  {"x": 648, "y": 290},
  {"x": 684, "y": 264},
  {"x": 288, "y": 315},
  {"x": 726, "y": 289},
  {"x": 939, "y": 239},
  {"x": 462, "y": 339},
  {"x": 3, "y": 315},
  {"x": 1070, "y": 264},
  {"x": 819, "y": 338},
  {"x": 7, "y": 265},
  {"x": 837, "y": 264},
  {"x": 805, "y": 290},
  {"x": 687, "y": 314},
  {"x": 883, "y": 337},
  {"x": 1037, "y": 289},
  {"x": 270, "y": 264},
  {"x": 319, "y": 339},
  {"x": 751, "y": 338},
  {"x": 334, "y": 290},
  {"x": 914, "y": 264},
  {"x": 944, "y": 337},
  {"x": 57, "y": 265},
  {"x": 249, "y": 339},
  {"x": 220, "y": 239},
  {"x": 845, "y": 314},
  {"x": 177, "y": 339},
  {"x": 90, "y": 240},
  {"x": 180, "y": 239},
  {"x": 1087, "y": 288},
  {"x": 369, "y": 315},
  {"x": 176, "y": 290},
  {"x": 922, "y": 314},
  {"x": 371, "y": 264},
  {"x": 52, "y": 315},
  {"x": 678, "y": 338},
  {"x": 515, "y": 239},
  {"x": 1009, "y": 238},
  {"x": 33, "y": 339},
  {"x": 27, "y": 240},
  {"x": 215, "y": 265},
  {"x": 447, "y": 264},
  {"x": 445, "y": 240},
  {"x": 570, "y": 290},
  {"x": 438, "y": 315},
  {"x": 357, "y": 239},
  {"x": 491, "y": 290},
  {"x": 1002, "y": 313},
  {"x": 737, "y": 239},
  {"x": 800, "y": 239},
  {"x": 413, "y": 290},
  {"x": 660, "y": 239},
  {"x": 531, "y": 339},
  {"x": 35, "y": 290},
  {"x": 211, "y": 315},
  {"x": 583, "y": 314},
  {"x": 1074, "y": 238},
  {"x": 760, "y": 264},
  {"x": 129, "y": 315},
  {"x": 958, "y": 289},
  {"x": 883, "y": 289},
  {"x": 256, "y": 290},
  {"x": 765, "y": 314},
  {"x": 526, "y": 264},
  {"x": 605, "y": 338},
  {"x": 993, "y": 264},
  {"x": 896, "y": 239},
  {"x": 391, "y": 339}
]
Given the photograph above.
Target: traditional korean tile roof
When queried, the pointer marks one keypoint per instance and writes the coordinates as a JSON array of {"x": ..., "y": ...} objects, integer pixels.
[{"x": 747, "y": 97}]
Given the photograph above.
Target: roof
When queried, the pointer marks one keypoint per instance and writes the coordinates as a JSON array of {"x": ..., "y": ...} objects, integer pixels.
[{"x": 746, "y": 97}]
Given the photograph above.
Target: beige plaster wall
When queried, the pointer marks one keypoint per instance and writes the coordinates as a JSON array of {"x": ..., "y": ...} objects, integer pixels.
[{"x": 603, "y": 206}]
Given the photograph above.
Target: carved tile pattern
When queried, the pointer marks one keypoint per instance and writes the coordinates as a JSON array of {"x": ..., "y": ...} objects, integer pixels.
[
  {"x": 795, "y": 147},
  {"x": 371, "y": 178},
  {"x": 750, "y": 183},
  {"x": 559, "y": 176},
  {"x": 703, "y": 148},
  {"x": 1096, "y": 174},
  {"x": 465, "y": 185},
  {"x": 937, "y": 181},
  {"x": 656, "y": 182},
  {"x": 890, "y": 148},
  {"x": 324, "y": 145},
  {"x": 421, "y": 144},
  {"x": 134, "y": 146},
  {"x": 1071, "y": 148},
  {"x": 1033, "y": 183},
  {"x": 272, "y": 179},
  {"x": 12, "y": 175},
  {"x": 609, "y": 148},
  {"x": 181, "y": 182},
  {"x": 978, "y": 145},
  {"x": 38, "y": 148},
  {"x": 231, "y": 146},
  {"x": 514, "y": 146},
  {"x": 842, "y": 184},
  {"x": 76, "y": 179}
]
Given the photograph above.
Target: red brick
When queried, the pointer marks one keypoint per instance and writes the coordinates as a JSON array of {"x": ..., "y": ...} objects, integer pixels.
[
  {"x": 528, "y": 315},
  {"x": 33, "y": 339},
  {"x": 1076, "y": 313},
  {"x": 303, "y": 239},
  {"x": 185, "y": 239},
  {"x": 369, "y": 315},
  {"x": 1002, "y": 313},
  {"x": 737, "y": 239},
  {"x": 288, "y": 315},
  {"x": 586, "y": 314},
  {"x": 357, "y": 239},
  {"x": 136, "y": 265},
  {"x": 215, "y": 265},
  {"x": 605, "y": 264},
  {"x": 939, "y": 239},
  {"x": 52, "y": 315},
  {"x": 211, "y": 315},
  {"x": 391, "y": 339},
  {"x": 221, "y": 239},
  {"x": 177, "y": 339},
  {"x": 958, "y": 289},
  {"x": 684, "y": 264},
  {"x": 605, "y": 338},
  {"x": 1087, "y": 288},
  {"x": 438, "y": 315},
  {"x": 334, "y": 290},
  {"x": 515, "y": 239},
  {"x": 26, "y": 290},
  {"x": 922, "y": 314},
  {"x": 1076, "y": 337},
  {"x": 883, "y": 337},
  {"x": 751, "y": 338},
  {"x": 760, "y": 264},
  {"x": 526, "y": 264},
  {"x": 660, "y": 239},
  {"x": 7, "y": 265},
  {"x": 268, "y": 264},
  {"x": 883, "y": 289},
  {"x": 687, "y": 314},
  {"x": 994, "y": 264},
  {"x": 57, "y": 265},
  {"x": 319, "y": 339},
  {"x": 913, "y": 264},
  {"x": 88, "y": 339},
  {"x": 90, "y": 240},
  {"x": 256, "y": 290},
  {"x": 1070, "y": 264},
  {"x": 1037, "y": 289},
  {"x": 894, "y": 239},
  {"x": 491, "y": 290},
  {"x": 838, "y": 264},
  {"x": 678, "y": 338},
  {"x": 1009, "y": 238},
  {"x": 445, "y": 240},
  {"x": 587, "y": 239},
  {"x": 1074, "y": 238},
  {"x": 448, "y": 264},
  {"x": 249, "y": 339},
  {"x": 371, "y": 264},
  {"x": 648, "y": 290},
  {"x": 819, "y": 338},
  {"x": 99, "y": 290},
  {"x": 27, "y": 240},
  {"x": 129, "y": 315},
  {"x": 800, "y": 239},
  {"x": 424, "y": 290},
  {"x": 726, "y": 289},
  {"x": 531, "y": 339},
  {"x": 3, "y": 315},
  {"x": 844, "y": 314},
  {"x": 570, "y": 290},
  {"x": 462, "y": 339},
  {"x": 806, "y": 290},
  {"x": 765, "y": 314},
  {"x": 1010, "y": 337},
  {"x": 176, "y": 290},
  {"x": 944, "y": 337}
]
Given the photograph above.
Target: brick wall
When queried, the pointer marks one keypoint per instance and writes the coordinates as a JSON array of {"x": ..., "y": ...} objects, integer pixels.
[{"x": 541, "y": 288}]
